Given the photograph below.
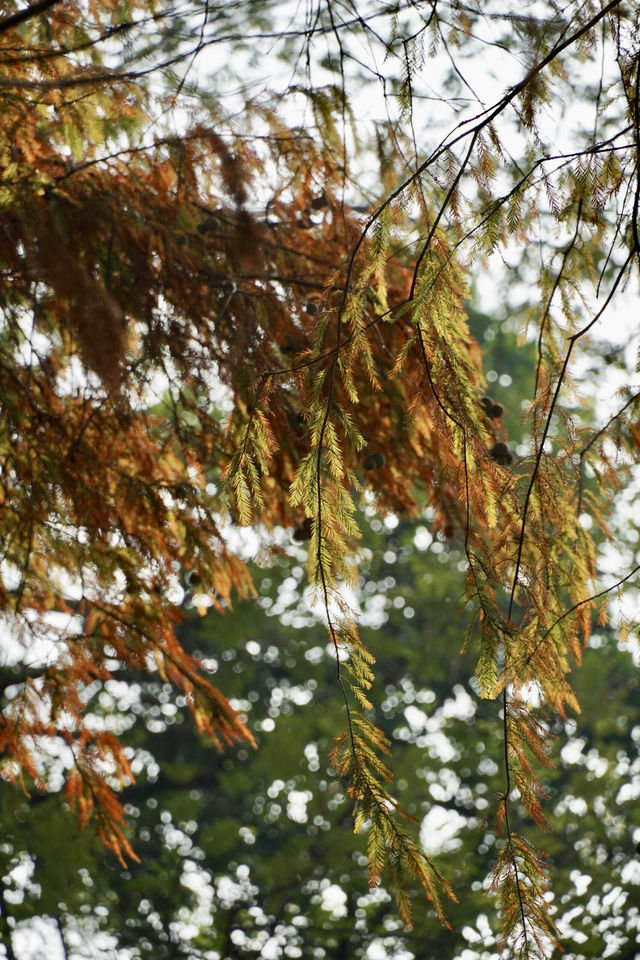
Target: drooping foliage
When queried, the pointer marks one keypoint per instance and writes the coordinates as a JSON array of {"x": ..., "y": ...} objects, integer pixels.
[
  {"x": 248, "y": 853},
  {"x": 218, "y": 314}
]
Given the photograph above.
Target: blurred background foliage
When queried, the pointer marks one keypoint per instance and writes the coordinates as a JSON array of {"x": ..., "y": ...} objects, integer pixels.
[{"x": 251, "y": 854}]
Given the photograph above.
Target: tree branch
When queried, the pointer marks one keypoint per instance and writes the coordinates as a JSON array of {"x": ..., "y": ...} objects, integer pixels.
[{"x": 33, "y": 10}]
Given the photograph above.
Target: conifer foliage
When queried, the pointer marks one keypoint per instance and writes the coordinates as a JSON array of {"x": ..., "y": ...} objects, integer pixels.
[{"x": 226, "y": 303}]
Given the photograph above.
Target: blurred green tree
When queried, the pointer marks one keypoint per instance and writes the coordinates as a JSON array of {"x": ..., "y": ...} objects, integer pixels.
[{"x": 250, "y": 853}]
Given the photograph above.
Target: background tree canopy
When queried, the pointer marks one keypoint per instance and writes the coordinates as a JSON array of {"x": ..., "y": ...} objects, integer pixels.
[{"x": 306, "y": 316}]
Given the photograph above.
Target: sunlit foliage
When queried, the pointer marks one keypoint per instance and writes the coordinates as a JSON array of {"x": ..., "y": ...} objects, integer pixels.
[{"x": 216, "y": 315}]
